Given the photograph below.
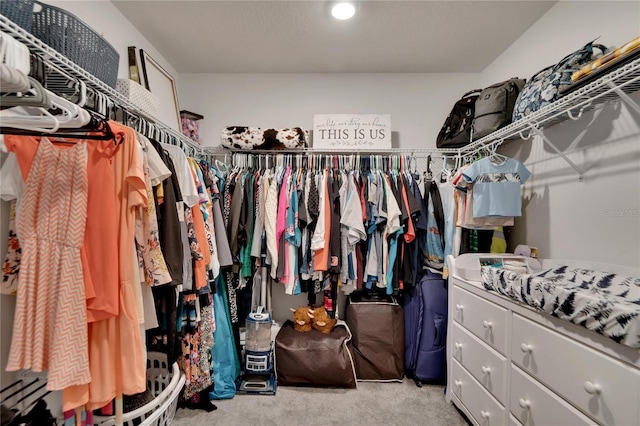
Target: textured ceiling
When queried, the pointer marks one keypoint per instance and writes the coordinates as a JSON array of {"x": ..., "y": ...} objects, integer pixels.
[{"x": 300, "y": 36}]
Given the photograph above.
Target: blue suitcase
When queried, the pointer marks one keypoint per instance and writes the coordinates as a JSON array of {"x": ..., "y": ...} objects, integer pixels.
[{"x": 425, "y": 327}]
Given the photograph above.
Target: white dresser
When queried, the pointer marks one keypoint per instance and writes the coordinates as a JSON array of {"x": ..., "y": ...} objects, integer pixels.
[{"x": 510, "y": 365}]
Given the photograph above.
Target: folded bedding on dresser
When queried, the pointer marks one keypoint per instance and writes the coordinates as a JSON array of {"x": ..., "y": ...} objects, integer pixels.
[{"x": 606, "y": 303}]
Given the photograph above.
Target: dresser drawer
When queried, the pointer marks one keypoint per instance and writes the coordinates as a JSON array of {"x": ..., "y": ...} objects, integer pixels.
[
  {"x": 533, "y": 404},
  {"x": 482, "y": 406},
  {"x": 603, "y": 388},
  {"x": 513, "y": 421},
  {"x": 486, "y": 365},
  {"x": 483, "y": 318}
]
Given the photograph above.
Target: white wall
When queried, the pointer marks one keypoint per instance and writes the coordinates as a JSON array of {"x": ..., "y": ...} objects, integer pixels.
[
  {"x": 596, "y": 219},
  {"x": 418, "y": 103}
]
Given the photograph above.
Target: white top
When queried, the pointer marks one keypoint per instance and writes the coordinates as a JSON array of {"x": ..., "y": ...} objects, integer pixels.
[
  {"x": 158, "y": 171},
  {"x": 11, "y": 183},
  {"x": 185, "y": 178},
  {"x": 271, "y": 212},
  {"x": 318, "y": 241}
]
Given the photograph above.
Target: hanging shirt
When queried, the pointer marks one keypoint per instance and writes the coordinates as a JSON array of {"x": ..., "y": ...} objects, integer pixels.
[
  {"x": 237, "y": 199},
  {"x": 11, "y": 182},
  {"x": 271, "y": 213},
  {"x": 11, "y": 189},
  {"x": 353, "y": 230},
  {"x": 169, "y": 209},
  {"x": 282, "y": 205},
  {"x": 154, "y": 267},
  {"x": 258, "y": 228},
  {"x": 158, "y": 170},
  {"x": 448, "y": 209},
  {"x": 392, "y": 229},
  {"x": 206, "y": 206},
  {"x": 497, "y": 187},
  {"x": 222, "y": 242},
  {"x": 434, "y": 249},
  {"x": 293, "y": 239},
  {"x": 422, "y": 228},
  {"x": 320, "y": 239},
  {"x": 183, "y": 170}
]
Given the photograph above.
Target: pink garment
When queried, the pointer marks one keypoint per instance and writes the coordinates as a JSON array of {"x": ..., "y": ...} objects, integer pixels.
[
  {"x": 281, "y": 218},
  {"x": 50, "y": 322}
]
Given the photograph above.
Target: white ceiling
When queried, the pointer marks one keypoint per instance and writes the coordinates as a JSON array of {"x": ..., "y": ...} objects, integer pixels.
[{"x": 300, "y": 36}]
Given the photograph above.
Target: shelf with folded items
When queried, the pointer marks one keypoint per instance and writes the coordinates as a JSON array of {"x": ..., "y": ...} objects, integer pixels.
[
  {"x": 59, "y": 61},
  {"x": 616, "y": 84}
]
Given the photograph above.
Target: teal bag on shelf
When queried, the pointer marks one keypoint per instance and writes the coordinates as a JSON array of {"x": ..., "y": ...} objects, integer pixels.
[{"x": 545, "y": 86}]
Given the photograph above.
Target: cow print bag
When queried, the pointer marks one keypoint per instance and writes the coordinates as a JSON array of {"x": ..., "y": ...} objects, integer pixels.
[{"x": 257, "y": 138}]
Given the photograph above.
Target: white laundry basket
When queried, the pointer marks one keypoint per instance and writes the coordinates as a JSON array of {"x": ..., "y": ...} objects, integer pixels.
[{"x": 164, "y": 385}]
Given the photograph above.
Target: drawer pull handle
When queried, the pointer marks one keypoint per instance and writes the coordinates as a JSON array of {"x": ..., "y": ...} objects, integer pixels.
[
  {"x": 526, "y": 348},
  {"x": 458, "y": 345},
  {"x": 485, "y": 414},
  {"x": 592, "y": 388},
  {"x": 486, "y": 370},
  {"x": 524, "y": 403},
  {"x": 458, "y": 383},
  {"x": 459, "y": 307},
  {"x": 487, "y": 324}
]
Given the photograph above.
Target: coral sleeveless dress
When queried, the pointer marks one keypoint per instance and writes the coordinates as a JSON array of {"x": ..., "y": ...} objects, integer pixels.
[{"x": 50, "y": 323}]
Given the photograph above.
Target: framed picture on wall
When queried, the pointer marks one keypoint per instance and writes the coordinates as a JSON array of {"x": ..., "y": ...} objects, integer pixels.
[{"x": 162, "y": 84}]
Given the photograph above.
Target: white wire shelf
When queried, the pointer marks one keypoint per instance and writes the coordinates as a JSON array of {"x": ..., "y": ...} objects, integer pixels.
[
  {"x": 615, "y": 85},
  {"x": 57, "y": 60}
]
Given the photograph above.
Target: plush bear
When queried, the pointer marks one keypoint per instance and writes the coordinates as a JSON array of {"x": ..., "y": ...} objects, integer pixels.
[
  {"x": 302, "y": 318},
  {"x": 321, "y": 320}
]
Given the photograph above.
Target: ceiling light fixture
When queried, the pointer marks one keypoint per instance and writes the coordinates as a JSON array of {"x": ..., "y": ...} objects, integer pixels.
[{"x": 343, "y": 11}]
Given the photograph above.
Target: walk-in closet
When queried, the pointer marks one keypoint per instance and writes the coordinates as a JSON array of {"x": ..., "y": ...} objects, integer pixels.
[{"x": 235, "y": 212}]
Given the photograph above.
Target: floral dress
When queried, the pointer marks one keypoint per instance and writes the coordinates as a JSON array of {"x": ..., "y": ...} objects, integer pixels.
[
  {"x": 11, "y": 265},
  {"x": 196, "y": 344},
  {"x": 150, "y": 255}
]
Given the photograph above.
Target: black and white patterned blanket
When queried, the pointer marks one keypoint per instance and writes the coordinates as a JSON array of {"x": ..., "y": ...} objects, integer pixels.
[{"x": 606, "y": 303}]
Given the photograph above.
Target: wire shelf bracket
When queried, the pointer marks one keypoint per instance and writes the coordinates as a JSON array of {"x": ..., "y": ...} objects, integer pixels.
[
  {"x": 625, "y": 98},
  {"x": 546, "y": 140}
]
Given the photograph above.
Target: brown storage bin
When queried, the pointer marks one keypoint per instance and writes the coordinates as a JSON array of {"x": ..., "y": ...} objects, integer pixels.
[
  {"x": 378, "y": 339},
  {"x": 313, "y": 358}
]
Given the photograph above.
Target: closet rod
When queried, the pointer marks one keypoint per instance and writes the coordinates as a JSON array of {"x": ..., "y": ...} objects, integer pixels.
[
  {"x": 416, "y": 152},
  {"x": 55, "y": 59}
]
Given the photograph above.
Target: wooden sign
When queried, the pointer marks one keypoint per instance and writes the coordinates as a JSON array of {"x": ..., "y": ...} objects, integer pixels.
[{"x": 352, "y": 131}]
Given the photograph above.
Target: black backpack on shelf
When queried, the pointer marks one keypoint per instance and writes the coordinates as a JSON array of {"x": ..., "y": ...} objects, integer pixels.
[
  {"x": 494, "y": 107},
  {"x": 456, "y": 131}
]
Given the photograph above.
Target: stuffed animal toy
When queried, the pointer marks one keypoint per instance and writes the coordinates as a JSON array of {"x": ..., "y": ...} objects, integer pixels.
[
  {"x": 321, "y": 320},
  {"x": 302, "y": 318}
]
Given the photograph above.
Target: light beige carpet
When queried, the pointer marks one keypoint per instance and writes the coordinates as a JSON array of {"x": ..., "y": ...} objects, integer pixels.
[{"x": 370, "y": 404}]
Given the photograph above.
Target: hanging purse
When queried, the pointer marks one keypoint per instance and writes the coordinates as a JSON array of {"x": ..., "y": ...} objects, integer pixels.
[{"x": 545, "y": 86}]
